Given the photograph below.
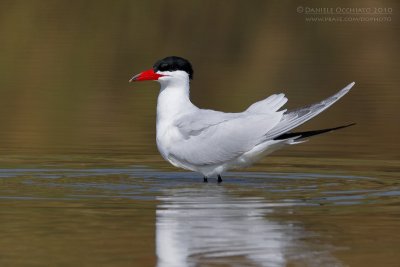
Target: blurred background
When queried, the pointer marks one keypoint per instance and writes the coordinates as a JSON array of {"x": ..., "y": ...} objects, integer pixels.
[
  {"x": 65, "y": 68},
  {"x": 82, "y": 182}
]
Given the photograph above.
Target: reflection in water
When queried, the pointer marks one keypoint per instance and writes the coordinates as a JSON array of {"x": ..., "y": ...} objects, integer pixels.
[
  {"x": 99, "y": 216},
  {"x": 208, "y": 226}
]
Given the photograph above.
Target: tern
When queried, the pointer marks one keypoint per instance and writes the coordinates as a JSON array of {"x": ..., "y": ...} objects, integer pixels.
[{"x": 212, "y": 142}]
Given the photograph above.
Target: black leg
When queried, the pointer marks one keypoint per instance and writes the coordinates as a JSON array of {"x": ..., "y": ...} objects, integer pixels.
[
  {"x": 219, "y": 179},
  {"x": 205, "y": 180}
]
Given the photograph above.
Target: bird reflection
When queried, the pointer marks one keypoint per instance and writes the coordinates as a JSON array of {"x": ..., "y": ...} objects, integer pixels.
[{"x": 208, "y": 226}]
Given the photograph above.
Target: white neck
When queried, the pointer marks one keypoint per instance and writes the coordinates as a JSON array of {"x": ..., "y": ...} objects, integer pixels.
[{"x": 173, "y": 99}]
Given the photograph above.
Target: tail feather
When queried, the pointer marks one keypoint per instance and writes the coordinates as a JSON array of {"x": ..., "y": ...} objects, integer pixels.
[
  {"x": 302, "y": 135},
  {"x": 293, "y": 118}
]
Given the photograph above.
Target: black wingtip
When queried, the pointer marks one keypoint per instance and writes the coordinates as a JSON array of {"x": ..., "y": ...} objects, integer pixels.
[{"x": 301, "y": 135}]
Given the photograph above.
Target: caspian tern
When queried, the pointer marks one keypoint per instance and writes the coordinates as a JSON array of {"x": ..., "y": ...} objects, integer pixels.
[{"x": 212, "y": 142}]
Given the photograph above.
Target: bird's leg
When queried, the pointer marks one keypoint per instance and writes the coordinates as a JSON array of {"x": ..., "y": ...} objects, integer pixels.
[
  {"x": 205, "y": 180},
  {"x": 219, "y": 179}
]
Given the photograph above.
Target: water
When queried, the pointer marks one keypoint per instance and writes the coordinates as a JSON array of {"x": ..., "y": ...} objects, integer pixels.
[
  {"x": 136, "y": 215},
  {"x": 82, "y": 183}
]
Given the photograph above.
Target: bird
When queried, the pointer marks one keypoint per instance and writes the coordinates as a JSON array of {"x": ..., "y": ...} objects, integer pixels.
[{"x": 212, "y": 142}]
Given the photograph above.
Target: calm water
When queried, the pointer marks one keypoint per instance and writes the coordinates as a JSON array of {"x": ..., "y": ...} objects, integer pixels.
[
  {"x": 330, "y": 215},
  {"x": 81, "y": 181}
]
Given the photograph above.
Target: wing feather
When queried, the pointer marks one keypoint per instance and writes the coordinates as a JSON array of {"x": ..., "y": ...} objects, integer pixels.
[
  {"x": 294, "y": 118},
  {"x": 220, "y": 136},
  {"x": 268, "y": 105},
  {"x": 212, "y": 137}
]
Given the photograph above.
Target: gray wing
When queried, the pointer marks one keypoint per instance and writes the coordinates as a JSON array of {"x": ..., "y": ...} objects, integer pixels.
[
  {"x": 195, "y": 123},
  {"x": 211, "y": 137},
  {"x": 294, "y": 118}
]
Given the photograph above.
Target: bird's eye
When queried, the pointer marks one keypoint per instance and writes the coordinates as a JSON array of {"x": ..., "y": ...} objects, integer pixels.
[{"x": 163, "y": 66}]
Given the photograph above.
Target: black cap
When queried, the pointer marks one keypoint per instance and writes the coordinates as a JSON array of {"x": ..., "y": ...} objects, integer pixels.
[{"x": 174, "y": 63}]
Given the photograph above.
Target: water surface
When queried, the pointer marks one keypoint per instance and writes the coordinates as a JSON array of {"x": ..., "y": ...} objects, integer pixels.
[{"x": 138, "y": 215}]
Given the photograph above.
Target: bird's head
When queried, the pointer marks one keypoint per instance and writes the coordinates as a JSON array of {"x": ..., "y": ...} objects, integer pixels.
[{"x": 166, "y": 70}]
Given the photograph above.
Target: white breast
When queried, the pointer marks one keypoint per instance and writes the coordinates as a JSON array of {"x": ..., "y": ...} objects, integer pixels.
[{"x": 173, "y": 102}]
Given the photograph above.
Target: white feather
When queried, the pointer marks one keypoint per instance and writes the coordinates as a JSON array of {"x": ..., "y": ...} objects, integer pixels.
[{"x": 212, "y": 142}]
